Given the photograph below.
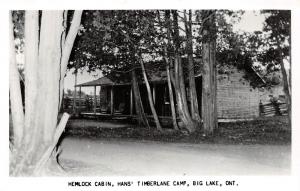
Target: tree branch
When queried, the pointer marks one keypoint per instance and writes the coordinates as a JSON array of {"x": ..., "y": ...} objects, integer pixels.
[
  {"x": 46, "y": 156},
  {"x": 70, "y": 40}
]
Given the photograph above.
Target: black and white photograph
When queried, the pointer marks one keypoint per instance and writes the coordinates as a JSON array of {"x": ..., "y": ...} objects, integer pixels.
[{"x": 150, "y": 93}]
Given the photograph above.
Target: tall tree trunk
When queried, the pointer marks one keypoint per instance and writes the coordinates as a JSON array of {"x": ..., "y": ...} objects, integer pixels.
[
  {"x": 141, "y": 116},
  {"x": 31, "y": 82},
  {"x": 290, "y": 73},
  {"x": 286, "y": 88},
  {"x": 181, "y": 82},
  {"x": 191, "y": 125},
  {"x": 167, "y": 60},
  {"x": 209, "y": 105},
  {"x": 192, "y": 84},
  {"x": 171, "y": 95},
  {"x": 15, "y": 91},
  {"x": 182, "y": 105},
  {"x": 43, "y": 65},
  {"x": 286, "y": 81},
  {"x": 49, "y": 74},
  {"x": 150, "y": 98}
]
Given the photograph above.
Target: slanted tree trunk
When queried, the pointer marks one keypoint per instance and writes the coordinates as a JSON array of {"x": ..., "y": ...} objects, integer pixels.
[
  {"x": 75, "y": 92},
  {"x": 46, "y": 56},
  {"x": 150, "y": 98},
  {"x": 192, "y": 85},
  {"x": 171, "y": 95},
  {"x": 139, "y": 109},
  {"x": 182, "y": 105},
  {"x": 67, "y": 42},
  {"x": 209, "y": 104}
]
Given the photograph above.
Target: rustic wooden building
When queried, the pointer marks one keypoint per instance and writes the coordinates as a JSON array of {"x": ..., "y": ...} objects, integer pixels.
[{"x": 236, "y": 97}]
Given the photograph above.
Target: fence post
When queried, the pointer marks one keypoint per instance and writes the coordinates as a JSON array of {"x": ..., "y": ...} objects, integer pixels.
[
  {"x": 261, "y": 108},
  {"x": 95, "y": 101},
  {"x": 276, "y": 107},
  {"x": 79, "y": 104}
]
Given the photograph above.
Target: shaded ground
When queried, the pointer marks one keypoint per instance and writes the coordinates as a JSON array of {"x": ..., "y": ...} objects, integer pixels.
[
  {"x": 115, "y": 157},
  {"x": 272, "y": 130}
]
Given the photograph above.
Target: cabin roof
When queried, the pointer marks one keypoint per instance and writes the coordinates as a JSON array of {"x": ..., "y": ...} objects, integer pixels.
[
  {"x": 158, "y": 77},
  {"x": 103, "y": 81},
  {"x": 107, "y": 81}
]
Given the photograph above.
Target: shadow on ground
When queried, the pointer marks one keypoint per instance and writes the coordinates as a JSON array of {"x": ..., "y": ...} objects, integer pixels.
[{"x": 271, "y": 130}]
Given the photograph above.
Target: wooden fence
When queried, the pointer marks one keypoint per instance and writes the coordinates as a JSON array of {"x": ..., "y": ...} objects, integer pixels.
[
  {"x": 273, "y": 109},
  {"x": 87, "y": 105},
  {"x": 82, "y": 104}
]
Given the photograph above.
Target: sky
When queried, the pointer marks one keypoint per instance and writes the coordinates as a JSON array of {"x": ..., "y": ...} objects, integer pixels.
[{"x": 251, "y": 21}]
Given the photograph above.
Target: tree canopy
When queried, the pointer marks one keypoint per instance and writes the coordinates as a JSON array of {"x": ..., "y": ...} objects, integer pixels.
[{"x": 109, "y": 39}]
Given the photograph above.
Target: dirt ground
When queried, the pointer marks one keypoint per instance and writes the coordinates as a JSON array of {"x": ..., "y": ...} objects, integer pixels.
[
  {"x": 110, "y": 148},
  {"x": 115, "y": 157}
]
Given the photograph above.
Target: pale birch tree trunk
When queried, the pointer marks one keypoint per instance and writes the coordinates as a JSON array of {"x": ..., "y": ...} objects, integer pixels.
[
  {"x": 46, "y": 56},
  {"x": 31, "y": 81}
]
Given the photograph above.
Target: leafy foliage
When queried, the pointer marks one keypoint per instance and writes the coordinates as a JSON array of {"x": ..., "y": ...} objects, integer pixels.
[
  {"x": 113, "y": 40},
  {"x": 277, "y": 41}
]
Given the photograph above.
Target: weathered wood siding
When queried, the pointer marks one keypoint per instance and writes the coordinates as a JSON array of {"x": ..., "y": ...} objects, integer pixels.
[{"x": 236, "y": 99}]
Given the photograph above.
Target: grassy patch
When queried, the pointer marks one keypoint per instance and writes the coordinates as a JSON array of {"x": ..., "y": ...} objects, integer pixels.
[{"x": 271, "y": 130}]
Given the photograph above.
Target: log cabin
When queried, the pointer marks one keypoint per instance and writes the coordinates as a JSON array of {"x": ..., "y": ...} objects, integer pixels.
[{"x": 237, "y": 98}]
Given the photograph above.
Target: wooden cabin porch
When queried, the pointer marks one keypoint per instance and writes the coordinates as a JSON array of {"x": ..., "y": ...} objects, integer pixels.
[{"x": 117, "y": 100}]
